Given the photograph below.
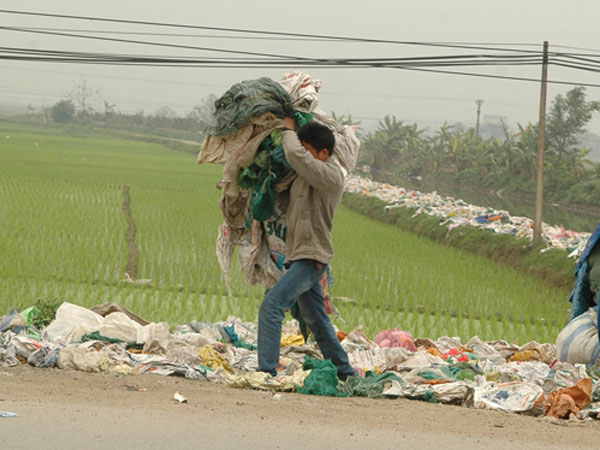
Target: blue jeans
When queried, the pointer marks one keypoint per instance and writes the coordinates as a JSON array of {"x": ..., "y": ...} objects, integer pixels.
[{"x": 302, "y": 283}]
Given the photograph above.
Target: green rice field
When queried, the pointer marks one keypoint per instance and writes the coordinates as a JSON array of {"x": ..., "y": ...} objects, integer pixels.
[{"x": 64, "y": 238}]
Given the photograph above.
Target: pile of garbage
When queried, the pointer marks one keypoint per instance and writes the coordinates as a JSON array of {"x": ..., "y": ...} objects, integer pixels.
[
  {"x": 490, "y": 375},
  {"x": 455, "y": 212}
]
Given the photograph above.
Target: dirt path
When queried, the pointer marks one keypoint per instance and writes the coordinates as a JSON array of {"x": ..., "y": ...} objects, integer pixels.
[
  {"x": 133, "y": 254},
  {"x": 74, "y": 410}
]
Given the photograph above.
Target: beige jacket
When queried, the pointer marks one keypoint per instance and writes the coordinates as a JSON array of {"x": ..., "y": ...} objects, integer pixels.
[{"x": 314, "y": 197}]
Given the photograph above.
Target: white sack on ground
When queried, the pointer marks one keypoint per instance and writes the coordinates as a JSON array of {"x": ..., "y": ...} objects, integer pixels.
[
  {"x": 71, "y": 323},
  {"x": 578, "y": 341}
]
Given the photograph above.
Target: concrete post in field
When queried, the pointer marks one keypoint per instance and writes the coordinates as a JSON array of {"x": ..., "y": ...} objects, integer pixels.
[{"x": 539, "y": 194}]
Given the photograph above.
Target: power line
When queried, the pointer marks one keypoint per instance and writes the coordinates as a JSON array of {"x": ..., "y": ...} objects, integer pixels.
[
  {"x": 589, "y": 61},
  {"x": 211, "y": 49},
  {"x": 187, "y": 35},
  {"x": 55, "y": 32},
  {"x": 577, "y": 48},
  {"x": 444, "y": 60},
  {"x": 263, "y": 32},
  {"x": 284, "y": 61},
  {"x": 245, "y": 64},
  {"x": 299, "y": 39},
  {"x": 78, "y": 57},
  {"x": 157, "y": 44},
  {"x": 576, "y": 66},
  {"x": 503, "y": 77}
]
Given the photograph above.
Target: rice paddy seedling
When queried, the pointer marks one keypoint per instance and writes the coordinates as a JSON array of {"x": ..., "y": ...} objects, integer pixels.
[{"x": 65, "y": 237}]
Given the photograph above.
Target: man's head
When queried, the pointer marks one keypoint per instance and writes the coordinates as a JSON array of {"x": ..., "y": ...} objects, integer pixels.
[{"x": 317, "y": 139}]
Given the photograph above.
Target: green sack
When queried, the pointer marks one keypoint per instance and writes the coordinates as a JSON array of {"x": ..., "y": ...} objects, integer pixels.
[
  {"x": 322, "y": 379},
  {"x": 372, "y": 385},
  {"x": 249, "y": 98}
]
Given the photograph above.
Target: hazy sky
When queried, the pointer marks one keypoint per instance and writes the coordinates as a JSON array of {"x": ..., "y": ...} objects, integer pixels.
[{"x": 367, "y": 94}]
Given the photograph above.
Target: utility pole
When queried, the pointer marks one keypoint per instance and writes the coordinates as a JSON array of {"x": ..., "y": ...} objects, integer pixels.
[
  {"x": 478, "y": 102},
  {"x": 539, "y": 194}
]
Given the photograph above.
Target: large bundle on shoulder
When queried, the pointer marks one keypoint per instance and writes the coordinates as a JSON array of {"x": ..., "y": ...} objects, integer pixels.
[{"x": 245, "y": 134}]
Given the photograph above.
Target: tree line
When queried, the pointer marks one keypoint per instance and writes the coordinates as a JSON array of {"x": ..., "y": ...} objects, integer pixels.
[
  {"x": 404, "y": 154},
  {"x": 401, "y": 153},
  {"x": 77, "y": 107}
]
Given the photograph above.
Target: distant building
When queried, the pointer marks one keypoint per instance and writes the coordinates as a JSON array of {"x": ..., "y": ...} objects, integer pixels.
[
  {"x": 493, "y": 126},
  {"x": 494, "y": 119}
]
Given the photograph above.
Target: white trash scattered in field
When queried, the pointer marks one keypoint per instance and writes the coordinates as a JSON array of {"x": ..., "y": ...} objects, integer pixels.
[{"x": 455, "y": 212}]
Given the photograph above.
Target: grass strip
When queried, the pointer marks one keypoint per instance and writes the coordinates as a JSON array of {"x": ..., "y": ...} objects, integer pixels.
[{"x": 553, "y": 267}]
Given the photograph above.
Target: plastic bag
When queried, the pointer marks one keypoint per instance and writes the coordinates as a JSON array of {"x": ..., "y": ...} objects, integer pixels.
[
  {"x": 71, "y": 322},
  {"x": 516, "y": 396},
  {"x": 396, "y": 338}
]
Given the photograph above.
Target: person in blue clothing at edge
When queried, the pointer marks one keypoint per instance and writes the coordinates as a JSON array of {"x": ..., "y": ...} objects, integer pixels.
[{"x": 314, "y": 197}]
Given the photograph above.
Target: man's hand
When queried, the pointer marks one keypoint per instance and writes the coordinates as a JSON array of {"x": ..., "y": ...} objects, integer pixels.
[{"x": 289, "y": 123}]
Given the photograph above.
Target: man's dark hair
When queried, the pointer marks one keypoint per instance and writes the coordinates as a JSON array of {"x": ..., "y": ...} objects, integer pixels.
[{"x": 317, "y": 135}]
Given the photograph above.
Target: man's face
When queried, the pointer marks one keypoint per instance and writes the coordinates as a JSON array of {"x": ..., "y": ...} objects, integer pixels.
[{"x": 322, "y": 155}]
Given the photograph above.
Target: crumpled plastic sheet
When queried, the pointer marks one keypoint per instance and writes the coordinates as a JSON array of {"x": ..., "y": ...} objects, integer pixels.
[
  {"x": 529, "y": 371},
  {"x": 455, "y": 212},
  {"x": 160, "y": 365},
  {"x": 245, "y": 361},
  {"x": 396, "y": 356},
  {"x": 246, "y": 331},
  {"x": 357, "y": 339},
  {"x": 299, "y": 352},
  {"x": 564, "y": 402},
  {"x": 373, "y": 359},
  {"x": 47, "y": 356},
  {"x": 304, "y": 92},
  {"x": 484, "y": 350},
  {"x": 444, "y": 393},
  {"x": 213, "y": 359},
  {"x": 84, "y": 357},
  {"x": 591, "y": 412},
  {"x": 264, "y": 381},
  {"x": 446, "y": 343},
  {"x": 515, "y": 396},
  {"x": 415, "y": 376},
  {"x": 372, "y": 385},
  {"x": 565, "y": 374},
  {"x": 8, "y": 353},
  {"x": 421, "y": 358}
]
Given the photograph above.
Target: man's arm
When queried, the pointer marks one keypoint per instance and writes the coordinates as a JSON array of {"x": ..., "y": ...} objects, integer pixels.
[{"x": 320, "y": 175}]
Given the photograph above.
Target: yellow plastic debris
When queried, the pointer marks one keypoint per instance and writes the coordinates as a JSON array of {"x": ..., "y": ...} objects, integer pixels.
[
  {"x": 292, "y": 339},
  {"x": 213, "y": 359},
  {"x": 527, "y": 355}
]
